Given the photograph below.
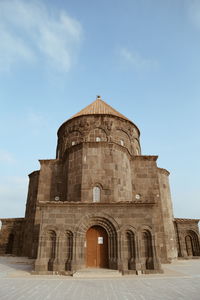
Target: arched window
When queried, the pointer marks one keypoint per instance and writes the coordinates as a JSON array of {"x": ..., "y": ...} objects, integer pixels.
[
  {"x": 121, "y": 142},
  {"x": 51, "y": 249},
  {"x": 98, "y": 139},
  {"x": 96, "y": 194},
  {"x": 192, "y": 243},
  {"x": 130, "y": 242},
  {"x": 147, "y": 250}
]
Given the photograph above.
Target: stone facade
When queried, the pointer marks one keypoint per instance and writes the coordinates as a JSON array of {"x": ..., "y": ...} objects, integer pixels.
[
  {"x": 187, "y": 236},
  {"x": 100, "y": 179}
]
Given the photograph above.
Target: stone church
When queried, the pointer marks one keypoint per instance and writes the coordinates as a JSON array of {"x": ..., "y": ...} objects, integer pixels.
[{"x": 100, "y": 203}]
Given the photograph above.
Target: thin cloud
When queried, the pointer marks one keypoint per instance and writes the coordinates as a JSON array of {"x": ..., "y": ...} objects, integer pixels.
[
  {"x": 134, "y": 59},
  {"x": 30, "y": 32},
  {"x": 13, "y": 50}
]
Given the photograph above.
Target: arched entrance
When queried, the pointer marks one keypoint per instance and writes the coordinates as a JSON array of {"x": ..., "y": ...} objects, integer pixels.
[
  {"x": 192, "y": 243},
  {"x": 96, "y": 247}
]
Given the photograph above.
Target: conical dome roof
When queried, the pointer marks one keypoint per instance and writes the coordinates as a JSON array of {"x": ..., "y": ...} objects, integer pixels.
[{"x": 99, "y": 107}]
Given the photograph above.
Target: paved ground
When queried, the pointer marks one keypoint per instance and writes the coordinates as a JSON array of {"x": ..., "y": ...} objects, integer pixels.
[{"x": 180, "y": 281}]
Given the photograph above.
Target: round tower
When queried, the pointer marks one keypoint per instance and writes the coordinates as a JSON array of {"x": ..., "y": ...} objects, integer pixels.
[{"x": 96, "y": 146}]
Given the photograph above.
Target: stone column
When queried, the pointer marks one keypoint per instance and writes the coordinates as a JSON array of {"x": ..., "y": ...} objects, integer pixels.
[
  {"x": 123, "y": 254},
  {"x": 138, "y": 266},
  {"x": 120, "y": 266},
  {"x": 41, "y": 263},
  {"x": 57, "y": 260},
  {"x": 156, "y": 261},
  {"x": 75, "y": 264}
]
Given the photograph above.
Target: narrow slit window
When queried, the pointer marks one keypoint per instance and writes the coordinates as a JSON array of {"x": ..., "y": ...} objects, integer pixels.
[{"x": 96, "y": 194}]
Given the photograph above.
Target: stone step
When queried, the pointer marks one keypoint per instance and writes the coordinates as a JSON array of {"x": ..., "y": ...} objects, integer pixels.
[{"x": 96, "y": 273}]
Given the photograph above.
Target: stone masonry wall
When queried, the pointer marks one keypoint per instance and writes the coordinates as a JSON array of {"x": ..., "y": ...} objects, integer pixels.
[
  {"x": 167, "y": 215},
  {"x": 77, "y": 219},
  {"x": 11, "y": 236},
  {"x": 108, "y": 166},
  {"x": 30, "y": 214},
  {"x": 184, "y": 228}
]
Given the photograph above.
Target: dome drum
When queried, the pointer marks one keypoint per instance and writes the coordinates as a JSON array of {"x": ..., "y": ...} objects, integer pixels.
[{"x": 98, "y": 128}]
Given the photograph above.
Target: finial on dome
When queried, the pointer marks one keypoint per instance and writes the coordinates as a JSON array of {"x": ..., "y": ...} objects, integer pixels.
[{"x": 98, "y": 97}]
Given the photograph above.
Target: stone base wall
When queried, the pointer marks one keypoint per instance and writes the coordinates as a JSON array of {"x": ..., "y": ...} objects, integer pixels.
[
  {"x": 188, "y": 238},
  {"x": 132, "y": 243},
  {"x": 11, "y": 236}
]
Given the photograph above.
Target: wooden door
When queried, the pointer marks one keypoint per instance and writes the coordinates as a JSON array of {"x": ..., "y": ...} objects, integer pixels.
[{"x": 97, "y": 247}]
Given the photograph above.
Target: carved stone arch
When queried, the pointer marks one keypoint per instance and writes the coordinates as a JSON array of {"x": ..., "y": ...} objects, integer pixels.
[
  {"x": 121, "y": 137},
  {"x": 147, "y": 253},
  {"x": 49, "y": 228},
  {"x": 142, "y": 227},
  {"x": 192, "y": 243},
  {"x": 104, "y": 127},
  {"x": 129, "y": 242},
  {"x": 69, "y": 138},
  {"x": 110, "y": 226},
  {"x": 125, "y": 131},
  {"x": 67, "y": 229},
  {"x": 75, "y": 137},
  {"x": 68, "y": 232},
  {"x": 88, "y": 219},
  {"x": 47, "y": 248},
  {"x": 50, "y": 245},
  {"x": 97, "y": 134},
  {"x": 98, "y": 184},
  {"x": 124, "y": 228},
  {"x": 68, "y": 249}
]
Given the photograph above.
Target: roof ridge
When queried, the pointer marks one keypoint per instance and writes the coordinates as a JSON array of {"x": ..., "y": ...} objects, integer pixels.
[{"x": 99, "y": 107}]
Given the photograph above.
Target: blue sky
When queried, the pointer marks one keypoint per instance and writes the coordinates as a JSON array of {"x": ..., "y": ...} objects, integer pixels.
[{"x": 142, "y": 57}]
